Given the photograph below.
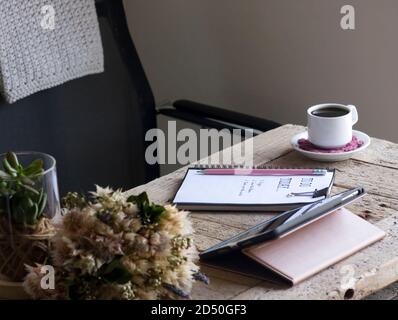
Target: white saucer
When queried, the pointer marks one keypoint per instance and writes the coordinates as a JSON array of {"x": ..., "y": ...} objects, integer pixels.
[{"x": 330, "y": 157}]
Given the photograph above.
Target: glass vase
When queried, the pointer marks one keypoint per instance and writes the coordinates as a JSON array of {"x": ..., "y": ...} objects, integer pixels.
[{"x": 29, "y": 200}]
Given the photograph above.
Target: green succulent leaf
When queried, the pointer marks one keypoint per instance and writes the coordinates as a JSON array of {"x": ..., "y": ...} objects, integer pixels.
[
  {"x": 27, "y": 181},
  {"x": 29, "y": 188},
  {"x": 35, "y": 168},
  {"x": 12, "y": 159},
  {"x": 4, "y": 175},
  {"x": 26, "y": 202},
  {"x": 9, "y": 169},
  {"x": 42, "y": 204},
  {"x": 32, "y": 217}
]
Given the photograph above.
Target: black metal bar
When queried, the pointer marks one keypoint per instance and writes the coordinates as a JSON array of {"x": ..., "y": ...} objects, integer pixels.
[
  {"x": 240, "y": 119},
  {"x": 203, "y": 121}
]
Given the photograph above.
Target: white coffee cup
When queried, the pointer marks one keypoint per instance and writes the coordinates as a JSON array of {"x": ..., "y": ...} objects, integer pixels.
[{"x": 330, "y": 124}]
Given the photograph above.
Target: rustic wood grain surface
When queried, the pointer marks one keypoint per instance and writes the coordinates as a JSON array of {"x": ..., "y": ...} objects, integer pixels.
[{"x": 370, "y": 270}]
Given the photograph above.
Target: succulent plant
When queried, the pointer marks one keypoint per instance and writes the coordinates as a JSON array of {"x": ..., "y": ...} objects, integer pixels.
[{"x": 20, "y": 199}]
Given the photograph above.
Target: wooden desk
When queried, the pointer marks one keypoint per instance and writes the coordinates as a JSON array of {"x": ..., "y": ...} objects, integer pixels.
[{"x": 376, "y": 169}]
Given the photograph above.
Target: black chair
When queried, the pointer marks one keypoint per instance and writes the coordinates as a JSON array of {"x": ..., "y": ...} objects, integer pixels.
[{"x": 95, "y": 126}]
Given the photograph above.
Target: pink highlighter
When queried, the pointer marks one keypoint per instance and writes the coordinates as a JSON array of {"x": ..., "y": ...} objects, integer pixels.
[{"x": 265, "y": 172}]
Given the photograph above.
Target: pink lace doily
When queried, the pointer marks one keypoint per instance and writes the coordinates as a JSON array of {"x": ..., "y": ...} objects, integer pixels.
[{"x": 306, "y": 145}]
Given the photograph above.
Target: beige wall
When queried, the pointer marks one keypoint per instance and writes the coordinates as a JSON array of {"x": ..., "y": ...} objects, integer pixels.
[{"x": 272, "y": 58}]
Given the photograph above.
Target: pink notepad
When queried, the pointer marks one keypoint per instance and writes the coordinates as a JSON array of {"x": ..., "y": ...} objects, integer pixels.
[{"x": 317, "y": 246}]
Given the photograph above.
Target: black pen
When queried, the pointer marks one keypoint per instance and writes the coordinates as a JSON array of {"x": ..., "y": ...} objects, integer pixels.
[{"x": 310, "y": 213}]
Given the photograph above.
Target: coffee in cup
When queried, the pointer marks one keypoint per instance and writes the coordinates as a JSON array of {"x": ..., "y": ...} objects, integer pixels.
[{"x": 330, "y": 124}]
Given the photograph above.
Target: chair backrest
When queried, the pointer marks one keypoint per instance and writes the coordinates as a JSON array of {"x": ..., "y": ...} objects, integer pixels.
[{"x": 94, "y": 126}]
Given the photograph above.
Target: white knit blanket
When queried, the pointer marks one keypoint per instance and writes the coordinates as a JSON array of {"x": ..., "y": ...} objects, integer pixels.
[{"x": 44, "y": 43}]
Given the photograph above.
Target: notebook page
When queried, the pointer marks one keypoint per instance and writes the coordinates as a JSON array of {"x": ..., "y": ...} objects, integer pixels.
[{"x": 198, "y": 188}]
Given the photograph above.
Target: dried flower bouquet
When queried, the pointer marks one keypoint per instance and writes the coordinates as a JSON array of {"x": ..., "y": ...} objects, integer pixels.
[{"x": 119, "y": 247}]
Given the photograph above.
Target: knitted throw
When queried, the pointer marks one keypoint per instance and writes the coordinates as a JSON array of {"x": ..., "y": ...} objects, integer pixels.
[{"x": 44, "y": 43}]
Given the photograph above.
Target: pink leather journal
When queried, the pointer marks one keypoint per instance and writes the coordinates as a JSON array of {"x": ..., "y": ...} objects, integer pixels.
[{"x": 317, "y": 246}]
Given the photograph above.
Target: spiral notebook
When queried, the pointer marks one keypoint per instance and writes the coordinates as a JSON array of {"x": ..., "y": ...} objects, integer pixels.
[{"x": 249, "y": 193}]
